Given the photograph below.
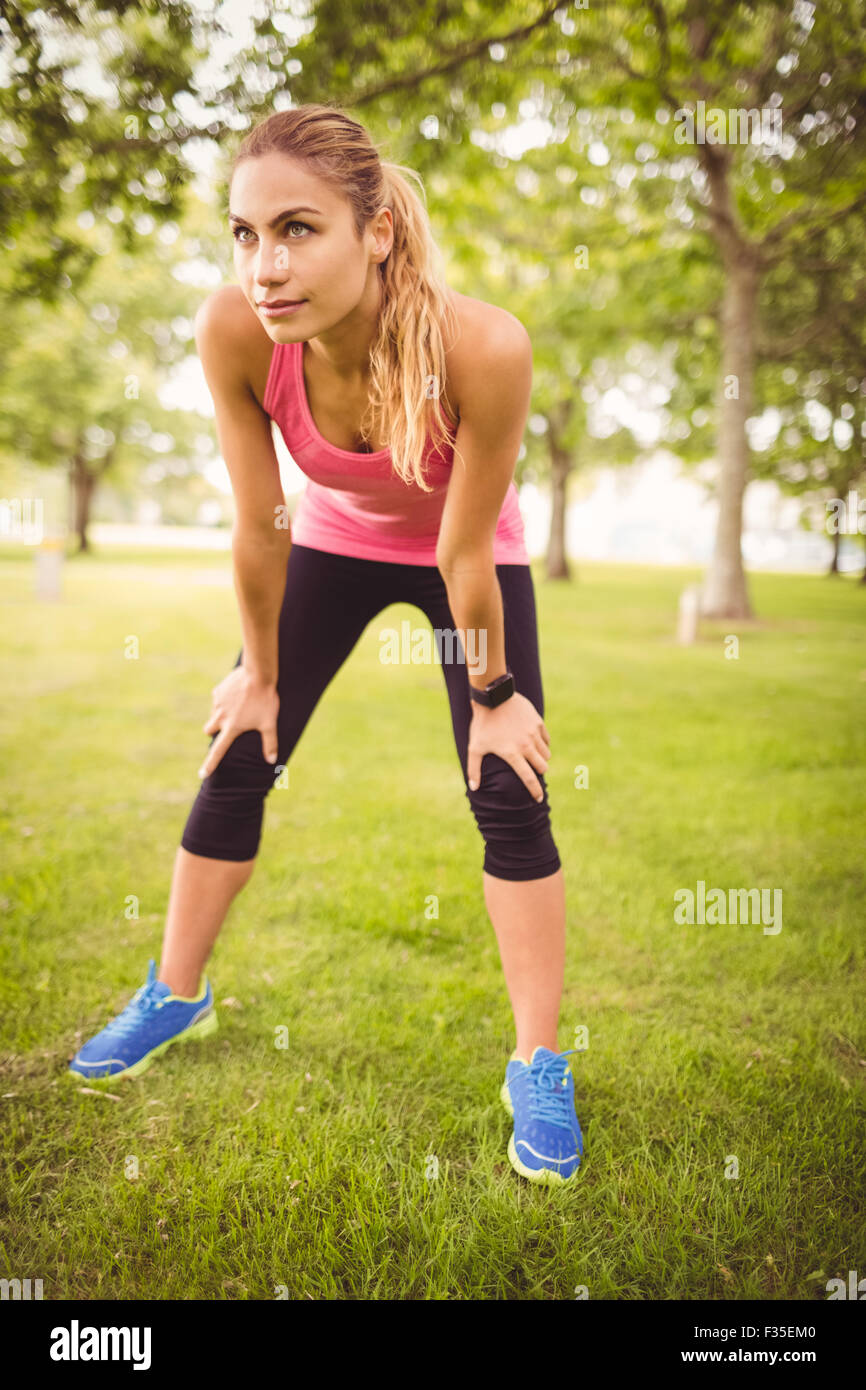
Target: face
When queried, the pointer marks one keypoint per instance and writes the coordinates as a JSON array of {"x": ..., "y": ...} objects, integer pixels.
[{"x": 295, "y": 241}]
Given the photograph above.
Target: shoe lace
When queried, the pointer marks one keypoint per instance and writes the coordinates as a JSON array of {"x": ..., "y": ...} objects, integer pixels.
[
  {"x": 549, "y": 1098},
  {"x": 143, "y": 1003}
]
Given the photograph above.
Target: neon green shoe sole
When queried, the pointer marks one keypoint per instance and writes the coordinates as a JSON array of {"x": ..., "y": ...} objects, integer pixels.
[
  {"x": 203, "y": 1028},
  {"x": 545, "y": 1177}
]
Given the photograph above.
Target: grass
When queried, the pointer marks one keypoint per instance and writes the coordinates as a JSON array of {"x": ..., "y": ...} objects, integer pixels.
[{"x": 235, "y": 1167}]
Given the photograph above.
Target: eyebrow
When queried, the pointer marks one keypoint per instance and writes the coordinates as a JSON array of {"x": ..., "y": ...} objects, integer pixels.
[{"x": 280, "y": 217}]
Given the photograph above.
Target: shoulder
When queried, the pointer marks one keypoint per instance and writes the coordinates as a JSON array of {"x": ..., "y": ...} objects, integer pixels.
[
  {"x": 490, "y": 357},
  {"x": 227, "y": 330},
  {"x": 485, "y": 327},
  {"x": 226, "y": 311}
]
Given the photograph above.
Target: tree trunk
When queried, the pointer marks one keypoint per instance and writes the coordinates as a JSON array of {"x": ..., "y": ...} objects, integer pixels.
[
  {"x": 834, "y": 563},
  {"x": 725, "y": 593},
  {"x": 560, "y": 468},
  {"x": 83, "y": 485}
]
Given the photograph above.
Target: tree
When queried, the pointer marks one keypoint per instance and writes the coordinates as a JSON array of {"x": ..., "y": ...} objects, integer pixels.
[
  {"x": 812, "y": 347},
  {"x": 82, "y": 380},
  {"x": 118, "y": 151},
  {"x": 755, "y": 198}
]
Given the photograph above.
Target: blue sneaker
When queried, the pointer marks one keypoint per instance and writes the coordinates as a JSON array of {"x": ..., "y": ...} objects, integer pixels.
[
  {"x": 153, "y": 1019},
  {"x": 546, "y": 1145}
]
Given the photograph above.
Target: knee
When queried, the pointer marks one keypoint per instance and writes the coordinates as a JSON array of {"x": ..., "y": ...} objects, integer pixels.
[
  {"x": 225, "y": 821},
  {"x": 503, "y": 794},
  {"x": 518, "y": 840},
  {"x": 243, "y": 766}
]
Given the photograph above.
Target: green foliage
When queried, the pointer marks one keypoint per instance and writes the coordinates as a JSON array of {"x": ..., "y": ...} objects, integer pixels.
[
  {"x": 68, "y": 147},
  {"x": 445, "y": 88},
  {"x": 83, "y": 375}
]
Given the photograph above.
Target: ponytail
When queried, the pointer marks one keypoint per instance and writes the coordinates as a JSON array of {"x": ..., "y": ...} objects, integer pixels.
[{"x": 408, "y": 358}]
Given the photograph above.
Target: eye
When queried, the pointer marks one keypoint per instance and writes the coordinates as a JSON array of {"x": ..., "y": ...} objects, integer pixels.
[{"x": 237, "y": 230}]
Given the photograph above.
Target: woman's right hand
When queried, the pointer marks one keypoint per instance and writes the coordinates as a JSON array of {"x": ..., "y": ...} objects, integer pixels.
[{"x": 241, "y": 702}]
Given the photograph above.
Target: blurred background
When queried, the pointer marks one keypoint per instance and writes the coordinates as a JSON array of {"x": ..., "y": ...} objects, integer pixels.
[{"x": 671, "y": 201}]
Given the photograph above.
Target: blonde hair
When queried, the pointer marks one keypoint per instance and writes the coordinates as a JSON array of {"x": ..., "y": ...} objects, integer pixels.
[{"x": 407, "y": 356}]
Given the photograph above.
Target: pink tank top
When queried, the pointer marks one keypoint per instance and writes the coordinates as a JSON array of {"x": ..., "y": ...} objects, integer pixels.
[{"x": 355, "y": 504}]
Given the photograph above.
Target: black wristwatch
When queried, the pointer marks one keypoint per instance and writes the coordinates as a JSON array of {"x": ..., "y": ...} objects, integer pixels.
[{"x": 495, "y": 693}]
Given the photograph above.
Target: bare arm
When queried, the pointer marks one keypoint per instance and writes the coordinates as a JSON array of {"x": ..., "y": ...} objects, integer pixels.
[
  {"x": 494, "y": 405},
  {"x": 247, "y": 697},
  {"x": 260, "y": 548},
  {"x": 260, "y": 583}
]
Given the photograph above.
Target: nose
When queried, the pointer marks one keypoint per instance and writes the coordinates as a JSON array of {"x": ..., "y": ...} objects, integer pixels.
[{"x": 272, "y": 264}]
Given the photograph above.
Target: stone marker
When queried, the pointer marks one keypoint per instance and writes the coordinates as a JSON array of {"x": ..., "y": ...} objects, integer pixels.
[
  {"x": 49, "y": 567},
  {"x": 687, "y": 619}
]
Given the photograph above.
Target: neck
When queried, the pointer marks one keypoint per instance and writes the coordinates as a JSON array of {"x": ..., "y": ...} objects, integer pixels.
[{"x": 345, "y": 348}]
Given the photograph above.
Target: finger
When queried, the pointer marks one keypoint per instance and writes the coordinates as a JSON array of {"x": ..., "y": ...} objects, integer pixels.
[
  {"x": 473, "y": 771},
  {"x": 537, "y": 761},
  {"x": 535, "y": 752},
  {"x": 527, "y": 777},
  {"x": 542, "y": 751},
  {"x": 544, "y": 734},
  {"x": 215, "y": 753},
  {"x": 269, "y": 743},
  {"x": 213, "y": 723},
  {"x": 538, "y": 765}
]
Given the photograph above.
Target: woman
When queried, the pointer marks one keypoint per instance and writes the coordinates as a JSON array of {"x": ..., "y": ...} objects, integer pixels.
[{"x": 405, "y": 403}]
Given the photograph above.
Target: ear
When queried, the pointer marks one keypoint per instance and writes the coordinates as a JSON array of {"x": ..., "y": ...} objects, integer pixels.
[{"x": 383, "y": 230}]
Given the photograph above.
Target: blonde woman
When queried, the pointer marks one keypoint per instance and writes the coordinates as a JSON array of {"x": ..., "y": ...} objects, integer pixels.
[{"x": 405, "y": 404}]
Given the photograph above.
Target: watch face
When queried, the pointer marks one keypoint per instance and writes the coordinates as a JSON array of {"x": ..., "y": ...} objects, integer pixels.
[
  {"x": 502, "y": 690},
  {"x": 496, "y": 692}
]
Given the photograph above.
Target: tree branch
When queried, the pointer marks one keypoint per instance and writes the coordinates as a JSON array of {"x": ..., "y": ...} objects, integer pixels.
[
  {"x": 463, "y": 53},
  {"x": 799, "y": 218}
]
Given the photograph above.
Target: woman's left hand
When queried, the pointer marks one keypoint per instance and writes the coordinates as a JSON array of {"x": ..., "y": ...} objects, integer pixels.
[{"x": 514, "y": 731}]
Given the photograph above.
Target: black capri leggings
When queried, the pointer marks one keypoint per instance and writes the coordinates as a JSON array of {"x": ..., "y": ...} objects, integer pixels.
[{"x": 329, "y": 600}]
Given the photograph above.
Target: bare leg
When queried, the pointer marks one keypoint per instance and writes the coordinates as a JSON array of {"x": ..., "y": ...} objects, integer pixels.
[
  {"x": 529, "y": 921},
  {"x": 202, "y": 890}
]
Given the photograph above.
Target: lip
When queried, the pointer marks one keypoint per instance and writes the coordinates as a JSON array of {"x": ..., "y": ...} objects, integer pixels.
[{"x": 276, "y": 308}]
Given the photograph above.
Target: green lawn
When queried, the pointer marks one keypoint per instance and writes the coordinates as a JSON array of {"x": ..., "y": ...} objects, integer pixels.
[{"x": 306, "y": 1167}]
